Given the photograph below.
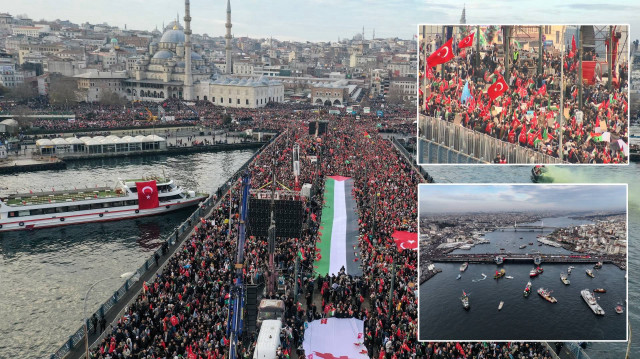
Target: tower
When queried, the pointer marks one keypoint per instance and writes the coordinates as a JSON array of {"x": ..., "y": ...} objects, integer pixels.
[
  {"x": 188, "y": 79},
  {"x": 227, "y": 37},
  {"x": 463, "y": 18}
]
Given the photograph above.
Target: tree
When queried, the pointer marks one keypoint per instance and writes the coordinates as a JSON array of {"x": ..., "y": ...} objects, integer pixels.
[
  {"x": 62, "y": 90},
  {"x": 109, "y": 97},
  {"x": 395, "y": 96},
  {"x": 23, "y": 92}
]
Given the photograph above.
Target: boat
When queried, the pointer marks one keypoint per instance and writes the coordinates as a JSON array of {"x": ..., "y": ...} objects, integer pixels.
[
  {"x": 499, "y": 274},
  {"x": 619, "y": 308},
  {"x": 464, "y": 266},
  {"x": 533, "y": 273},
  {"x": 499, "y": 260},
  {"x": 597, "y": 265},
  {"x": 530, "y": 243},
  {"x": 527, "y": 289},
  {"x": 502, "y": 249},
  {"x": 539, "y": 174},
  {"x": 564, "y": 279},
  {"x": 539, "y": 270},
  {"x": 600, "y": 290},
  {"x": 539, "y": 244},
  {"x": 590, "y": 273},
  {"x": 129, "y": 198},
  {"x": 546, "y": 294},
  {"x": 509, "y": 277},
  {"x": 591, "y": 302},
  {"x": 465, "y": 300},
  {"x": 569, "y": 269},
  {"x": 523, "y": 246},
  {"x": 459, "y": 276},
  {"x": 500, "y": 305}
]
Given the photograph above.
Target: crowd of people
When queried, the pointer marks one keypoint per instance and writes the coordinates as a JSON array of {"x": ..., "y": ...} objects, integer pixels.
[
  {"x": 91, "y": 117},
  {"x": 183, "y": 313},
  {"x": 528, "y": 113}
]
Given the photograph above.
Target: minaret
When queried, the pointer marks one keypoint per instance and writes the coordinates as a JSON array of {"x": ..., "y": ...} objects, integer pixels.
[
  {"x": 187, "y": 93},
  {"x": 228, "y": 66},
  {"x": 463, "y": 18}
]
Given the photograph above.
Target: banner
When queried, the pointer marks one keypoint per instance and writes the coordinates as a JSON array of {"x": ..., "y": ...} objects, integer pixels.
[
  {"x": 335, "y": 338},
  {"x": 339, "y": 229},
  {"x": 405, "y": 240}
]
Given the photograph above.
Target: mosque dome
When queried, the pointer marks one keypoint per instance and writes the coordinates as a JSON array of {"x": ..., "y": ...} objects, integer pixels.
[
  {"x": 163, "y": 54},
  {"x": 173, "y": 36}
]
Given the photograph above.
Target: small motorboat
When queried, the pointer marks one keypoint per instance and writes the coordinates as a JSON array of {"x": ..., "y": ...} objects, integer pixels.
[
  {"x": 459, "y": 276},
  {"x": 500, "y": 305},
  {"x": 509, "y": 277},
  {"x": 590, "y": 273},
  {"x": 538, "y": 175},
  {"x": 619, "y": 308},
  {"x": 600, "y": 290}
]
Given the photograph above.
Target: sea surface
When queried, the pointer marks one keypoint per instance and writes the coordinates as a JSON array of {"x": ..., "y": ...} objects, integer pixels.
[
  {"x": 511, "y": 240},
  {"x": 442, "y": 316},
  {"x": 573, "y": 174},
  {"x": 45, "y": 274}
]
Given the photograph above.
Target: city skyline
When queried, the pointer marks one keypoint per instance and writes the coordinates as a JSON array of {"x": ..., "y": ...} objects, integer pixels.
[
  {"x": 256, "y": 19},
  {"x": 495, "y": 198}
]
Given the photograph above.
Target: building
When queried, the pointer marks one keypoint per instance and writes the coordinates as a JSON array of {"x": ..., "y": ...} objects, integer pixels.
[
  {"x": 95, "y": 84},
  {"x": 241, "y": 92},
  {"x": 330, "y": 94},
  {"x": 404, "y": 86}
]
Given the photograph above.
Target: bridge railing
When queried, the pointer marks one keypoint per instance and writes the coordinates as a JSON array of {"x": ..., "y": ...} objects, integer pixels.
[
  {"x": 479, "y": 146},
  {"x": 78, "y": 336}
]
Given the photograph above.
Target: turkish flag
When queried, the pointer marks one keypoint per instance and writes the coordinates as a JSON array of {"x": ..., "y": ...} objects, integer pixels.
[
  {"x": 467, "y": 41},
  {"x": 573, "y": 44},
  {"x": 147, "y": 195},
  {"x": 405, "y": 240},
  {"x": 498, "y": 88},
  {"x": 442, "y": 55}
]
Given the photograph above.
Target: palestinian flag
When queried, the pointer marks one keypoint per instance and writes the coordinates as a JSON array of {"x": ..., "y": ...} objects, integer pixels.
[{"x": 339, "y": 233}]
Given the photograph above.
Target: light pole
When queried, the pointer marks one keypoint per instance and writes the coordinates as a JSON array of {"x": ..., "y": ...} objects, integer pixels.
[{"x": 86, "y": 330}]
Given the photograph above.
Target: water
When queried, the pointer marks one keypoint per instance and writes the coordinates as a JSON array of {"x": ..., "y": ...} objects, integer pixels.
[
  {"x": 511, "y": 240},
  {"x": 576, "y": 174},
  {"x": 45, "y": 274},
  {"x": 443, "y": 317}
]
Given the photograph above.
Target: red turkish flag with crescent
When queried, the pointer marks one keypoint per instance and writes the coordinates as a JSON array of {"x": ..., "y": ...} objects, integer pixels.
[
  {"x": 147, "y": 195},
  {"x": 442, "y": 55},
  {"x": 405, "y": 240},
  {"x": 467, "y": 41},
  {"x": 498, "y": 88}
]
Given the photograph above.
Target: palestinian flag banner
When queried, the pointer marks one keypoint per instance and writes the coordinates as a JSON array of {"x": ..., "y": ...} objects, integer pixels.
[
  {"x": 335, "y": 338},
  {"x": 338, "y": 229}
]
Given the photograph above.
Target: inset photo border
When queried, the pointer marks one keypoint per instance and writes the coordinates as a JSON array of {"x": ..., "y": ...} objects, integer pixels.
[
  {"x": 523, "y": 94},
  {"x": 522, "y": 262}
]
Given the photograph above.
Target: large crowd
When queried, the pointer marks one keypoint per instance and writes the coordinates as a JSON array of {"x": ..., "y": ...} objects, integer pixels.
[
  {"x": 528, "y": 112},
  {"x": 183, "y": 312}
]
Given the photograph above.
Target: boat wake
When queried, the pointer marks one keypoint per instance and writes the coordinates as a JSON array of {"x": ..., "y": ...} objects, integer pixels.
[{"x": 484, "y": 276}]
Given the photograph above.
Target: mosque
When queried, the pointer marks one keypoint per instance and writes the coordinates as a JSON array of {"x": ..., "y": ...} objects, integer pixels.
[{"x": 174, "y": 68}]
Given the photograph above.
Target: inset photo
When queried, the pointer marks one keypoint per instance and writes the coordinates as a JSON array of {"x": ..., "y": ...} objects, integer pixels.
[
  {"x": 523, "y": 94},
  {"x": 523, "y": 262}
]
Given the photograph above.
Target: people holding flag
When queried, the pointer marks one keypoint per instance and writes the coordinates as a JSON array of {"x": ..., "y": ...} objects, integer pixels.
[{"x": 503, "y": 100}]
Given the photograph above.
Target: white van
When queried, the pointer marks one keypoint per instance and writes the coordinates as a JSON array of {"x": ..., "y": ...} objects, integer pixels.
[{"x": 268, "y": 340}]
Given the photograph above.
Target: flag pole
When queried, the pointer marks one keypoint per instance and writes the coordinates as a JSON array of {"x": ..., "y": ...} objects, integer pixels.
[
  {"x": 560, "y": 152},
  {"x": 580, "y": 67},
  {"x": 610, "y": 56},
  {"x": 539, "y": 50},
  {"x": 424, "y": 50},
  {"x": 477, "y": 49}
]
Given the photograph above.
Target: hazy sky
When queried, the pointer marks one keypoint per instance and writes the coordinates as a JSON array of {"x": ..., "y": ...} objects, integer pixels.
[
  {"x": 471, "y": 198},
  {"x": 326, "y": 20}
]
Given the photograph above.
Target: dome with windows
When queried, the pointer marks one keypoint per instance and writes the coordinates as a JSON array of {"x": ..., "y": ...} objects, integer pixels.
[
  {"x": 163, "y": 54},
  {"x": 175, "y": 36}
]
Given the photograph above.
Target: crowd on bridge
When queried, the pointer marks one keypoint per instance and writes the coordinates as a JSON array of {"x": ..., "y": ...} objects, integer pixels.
[{"x": 528, "y": 112}]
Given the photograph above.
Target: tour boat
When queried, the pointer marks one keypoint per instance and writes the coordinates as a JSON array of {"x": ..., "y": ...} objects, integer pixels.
[
  {"x": 464, "y": 266},
  {"x": 564, "y": 279},
  {"x": 527, "y": 289},
  {"x": 126, "y": 199},
  {"x": 499, "y": 274},
  {"x": 590, "y": 273},
  {"x": 465, "y": 300}
]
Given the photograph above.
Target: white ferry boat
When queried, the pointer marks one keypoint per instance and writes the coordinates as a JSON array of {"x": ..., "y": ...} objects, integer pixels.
[
  {"x": 127, "y": 199},
  {"x": 590, "y": 299}
]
